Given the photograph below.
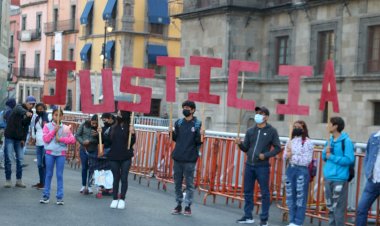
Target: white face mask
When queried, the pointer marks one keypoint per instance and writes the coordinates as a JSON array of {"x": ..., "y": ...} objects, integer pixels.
[{"x": 259, "y": 118}]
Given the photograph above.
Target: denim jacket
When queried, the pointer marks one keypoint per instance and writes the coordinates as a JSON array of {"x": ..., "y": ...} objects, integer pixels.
[{"x": 372, "y": 150}]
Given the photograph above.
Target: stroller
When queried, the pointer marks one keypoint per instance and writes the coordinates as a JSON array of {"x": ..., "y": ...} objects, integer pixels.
[{"x": 101, "y": 176}]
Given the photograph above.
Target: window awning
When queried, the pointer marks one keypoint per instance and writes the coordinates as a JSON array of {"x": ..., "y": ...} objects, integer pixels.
[
  {"x": 86, "y": 12},
  {"x": 158, "y": 12},
  {"x": 109, "y": 47},
  {"x": 154, "y": 51},
  {"x": 84, "y": 52},
  {"x": 108, "y": 10}
]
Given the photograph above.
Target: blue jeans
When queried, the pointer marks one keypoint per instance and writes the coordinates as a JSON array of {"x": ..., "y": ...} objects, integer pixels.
[
  {"x": 10, "y": 145},
  {"x": 261, "y": 174},
  {"x": 40, "y": 152},
  {"x": 297, "y": 187},
  {"x": 59, "y": 162},
  {"x": 370, "y": 194},
  {"x": 84, "y": 163},
  {"x": 184, "y": 170}
]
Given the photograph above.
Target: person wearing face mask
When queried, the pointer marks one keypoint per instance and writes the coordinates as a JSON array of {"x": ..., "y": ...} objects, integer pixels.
[
  {"x": 257, "y": 144},
  {"x": 120, "y": 156},
  {"x": 37, "y": 125},
  {"x": 87, "y": 136},
  {"x": 299, "y": 153},
  {"x": 187, "y": 135}
]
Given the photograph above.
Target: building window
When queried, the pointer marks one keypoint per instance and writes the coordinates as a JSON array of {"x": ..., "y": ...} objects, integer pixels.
[
  {"x": 155, "y": 108},
  {"x": 71, "y": 54},
  {"x": 69, "y": 104},
  {"x": 37, "y": 65},
  {"x": 326, "y": 49},
  {"x": 376, "y": 113},
  {"x": 157, "y": 69},
  {"x": 203, "y": 3},
  {"x": 22, "y": 60},
  {"x": 23, "y": 23},
  {"x": 281, "y": 117},
  {"x": 21, "y": 95},
  {"x": 157, "y": 29},
  {"x": 51, "y": 92},
  {"x": 324, "y": 45},
  {"x": 38, "y": 22},
  {"x": 282, "y": 51},
  {"x": 52, "y": 57},
  {"x": 325, "y": 113},
  {"x": 89, "y": 24},
  {"x": 373, "y": 58}
]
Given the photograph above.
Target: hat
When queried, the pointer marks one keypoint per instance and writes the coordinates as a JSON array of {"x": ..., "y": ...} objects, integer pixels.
[
  {"x": 31, "y": 100},
  {"x": 262, "y": 109}
]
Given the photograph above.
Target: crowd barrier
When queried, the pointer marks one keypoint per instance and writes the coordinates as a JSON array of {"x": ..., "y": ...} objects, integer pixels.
[{"x": 220, "y": 172}]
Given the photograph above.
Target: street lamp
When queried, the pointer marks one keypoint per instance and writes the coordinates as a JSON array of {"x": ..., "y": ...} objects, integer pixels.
[{"x": 107, "y": 28}]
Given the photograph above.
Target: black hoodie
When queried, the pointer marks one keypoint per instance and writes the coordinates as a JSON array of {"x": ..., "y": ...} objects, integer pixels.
[
  {"x": 18, "y": 123},
  {"x": 260, "y": 141}
]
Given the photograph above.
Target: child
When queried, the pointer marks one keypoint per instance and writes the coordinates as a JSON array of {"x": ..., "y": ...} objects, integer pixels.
[{"x": 56, "y": 137}]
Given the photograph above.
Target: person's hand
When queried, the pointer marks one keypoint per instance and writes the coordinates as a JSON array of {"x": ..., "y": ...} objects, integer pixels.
[
  {"x": 237, "y": 141},
  {"x": 132, "y": 129},
  {"x": 56, "y": 128},
  {"x": 29, "y": 114},
  {"x": 99, "y": 130},
  {"x": 57, "y": 139},
  {"x": 86, "y": 142},
  {"x": 94, "y": 133},
  {"x": 22, "y": 143},
  {"x": 261, "y": 156},
  {"x": 288, "y": 154},
  {"x": 202, "y": 132}
]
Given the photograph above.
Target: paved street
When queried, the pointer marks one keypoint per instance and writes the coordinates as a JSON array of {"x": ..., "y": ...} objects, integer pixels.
[{"x": 144, "y": 205}]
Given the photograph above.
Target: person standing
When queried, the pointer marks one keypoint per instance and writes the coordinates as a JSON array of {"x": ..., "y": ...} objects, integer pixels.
[
  {"x": 87, "y": 136},
  {"x": 120, "y": 156},
  {"x": 338, "y": 157},
  {"x": 299, "y": 152},
  {"x": 56, "y": 137},
  {"x": 15, "y": 136},
  {"x": 257, "y": 144},
  {"x": 37, "y": 125},
  {"x": 9, "y": 105},
  {"x": 187, "y": 135},
  {"x": 372, "y": 172}
]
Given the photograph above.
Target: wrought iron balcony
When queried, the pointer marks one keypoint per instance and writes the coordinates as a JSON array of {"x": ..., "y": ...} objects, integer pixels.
[
  {"x": 11, "y": 52},
  {"x": 29, "y": 35},
  {"x": 27, "y": 73},
  {"x": 62, "y": 25}
]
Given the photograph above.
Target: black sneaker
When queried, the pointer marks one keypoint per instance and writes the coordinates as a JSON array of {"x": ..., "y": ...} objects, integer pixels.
[
  {"x": 187, "y": 211},
  {"x": 177, "y": 210},
  {"x": 44, "y": 200},
  {"x": 245, "y": 220},
  {"x": 60, "y": 202},
  {"x": 264, "y": 223}
]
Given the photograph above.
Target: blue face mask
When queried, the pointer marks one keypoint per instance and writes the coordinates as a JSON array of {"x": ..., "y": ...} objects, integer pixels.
[{"x": 259, "y": 118}]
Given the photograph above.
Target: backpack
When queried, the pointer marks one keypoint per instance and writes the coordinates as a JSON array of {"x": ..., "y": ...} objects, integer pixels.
[
  {"x": 197, "y": 123},
  {"x": 351, "y": 169},
  {"x": 3, "y": 123}
]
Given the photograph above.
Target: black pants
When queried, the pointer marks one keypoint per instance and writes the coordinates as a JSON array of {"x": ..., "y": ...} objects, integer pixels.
[{"x": 120, "y": 170}]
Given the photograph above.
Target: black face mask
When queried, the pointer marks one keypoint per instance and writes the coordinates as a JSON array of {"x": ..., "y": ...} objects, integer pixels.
[
  {"x": 297, "y": 132},
  {"x": 186, "y": 113},
  {"x": 40, "y": 113}
]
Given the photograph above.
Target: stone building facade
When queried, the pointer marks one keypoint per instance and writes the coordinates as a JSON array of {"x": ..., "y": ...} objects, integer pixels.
[
  {"x": 294, "y": 32},
  {"x": 4, "y": 29}
]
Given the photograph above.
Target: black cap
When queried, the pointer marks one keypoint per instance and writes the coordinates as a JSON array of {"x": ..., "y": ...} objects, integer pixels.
[{"x": 262, "y": 109}]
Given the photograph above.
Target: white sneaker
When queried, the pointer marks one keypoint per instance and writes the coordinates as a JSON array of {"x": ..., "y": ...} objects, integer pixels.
[
  {"x": 90, "y": 190},
  {"x": 291, "y": 224},
  {"x": 82, "y": 189},
  {"x": 121, "y": 204},
  {"x": 114, "y": 204}
]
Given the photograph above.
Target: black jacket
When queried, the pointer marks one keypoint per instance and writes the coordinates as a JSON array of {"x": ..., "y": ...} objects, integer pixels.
[
  {"x": 118, "y": 139},
  {"x": 188, "y": 140},
  {"x": 260, "y": 141},
  {"x": 18, "y": 123}
]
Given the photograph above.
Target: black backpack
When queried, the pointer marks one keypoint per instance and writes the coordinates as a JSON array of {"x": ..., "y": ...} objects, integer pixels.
[{"x": 351, "y": 169}]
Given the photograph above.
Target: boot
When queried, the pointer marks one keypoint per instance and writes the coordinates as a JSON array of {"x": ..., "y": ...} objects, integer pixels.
[{"x": 8, "y": 184}]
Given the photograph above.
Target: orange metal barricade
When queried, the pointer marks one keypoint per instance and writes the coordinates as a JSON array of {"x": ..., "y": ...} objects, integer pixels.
[
  {"x": 72, "y": 154},
  {"x": 143, "y": 161}
]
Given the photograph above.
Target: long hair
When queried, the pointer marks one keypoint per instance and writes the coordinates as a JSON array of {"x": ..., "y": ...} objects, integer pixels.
[
  {"x": 305, "y": 133},
  {"x": 123, "y": 122}
]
